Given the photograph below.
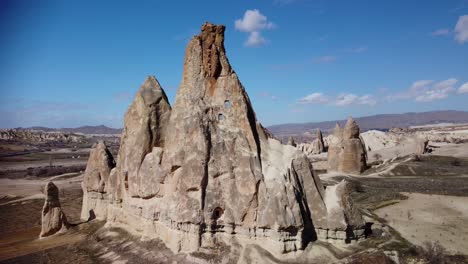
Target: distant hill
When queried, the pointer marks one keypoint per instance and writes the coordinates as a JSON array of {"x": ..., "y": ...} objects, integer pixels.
[
  {"x": 377, "y": 122},
  {"x": 82, "y": 129}
]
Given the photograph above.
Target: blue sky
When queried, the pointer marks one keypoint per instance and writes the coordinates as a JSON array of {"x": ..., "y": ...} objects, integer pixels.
[{"x": 73, "y": 63}]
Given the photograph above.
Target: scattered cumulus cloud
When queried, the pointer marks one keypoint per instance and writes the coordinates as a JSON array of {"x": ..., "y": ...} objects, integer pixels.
[
  {"x": 461, "y": 29},
  {"x": 253, "y": 23},
  {"x": 343, "y": 99},
  {"x": 313, "y": 98},
  {"x": 325, "y": 59},
  {"x": 352, "y": 99},
  {"x": 255, "y": 40},
  {"x": 426, "y": 91},
  {"x": 463, "y": 89},
  {"x": 440, "y": 32}
]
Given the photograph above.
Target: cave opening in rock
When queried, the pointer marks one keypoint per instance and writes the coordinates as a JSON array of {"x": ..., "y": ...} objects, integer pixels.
[{"x": 217, "y": 213}]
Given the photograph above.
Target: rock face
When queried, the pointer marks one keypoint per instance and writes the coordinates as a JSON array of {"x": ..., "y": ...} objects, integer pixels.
[
  {"x": 53, "y": 219},
  {"x": 346, "y": 152},
  {"x": 206, "y": 171},
  {"x": 316, "y": 147},
  {"x": 291, "y": 142},
  {"x": 100, "y": 164},
  {"x": 421, "y": 146},
  {"x": 319, "y": 145}
]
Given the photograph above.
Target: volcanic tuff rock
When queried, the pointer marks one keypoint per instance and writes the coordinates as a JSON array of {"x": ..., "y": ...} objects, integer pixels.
[
  {"x": 346, "y": 152},
  {"x": 291, "y": 142},
  {"x": 205, "y": 171},
  {"x": 317, "y": 146},
  {"x": 421, "y": 146},
  {"x": 53, "y": 218},
  {"x": 96, "y": 176}
]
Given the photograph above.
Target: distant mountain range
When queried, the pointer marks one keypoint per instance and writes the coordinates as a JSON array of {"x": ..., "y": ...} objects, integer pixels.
[
  {"x": 377, "y": 122},
  {"x": 82, "y": 129}
]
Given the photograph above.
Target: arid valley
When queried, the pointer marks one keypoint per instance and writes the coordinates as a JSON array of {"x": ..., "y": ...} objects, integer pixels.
[{"x": 210, "y": 170}]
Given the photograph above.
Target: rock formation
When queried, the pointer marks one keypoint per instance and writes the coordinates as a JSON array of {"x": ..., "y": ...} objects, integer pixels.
[
  {"x": 421, "y": 146},
  {"x": 36, "y": 136},
  {"x": 317, "y": 146},
  {"x": 346, "y": 152},
  {"x": 206, "y": 171},
  {"x": 96, "y": 176},
  {"x": 291, "y": 142},
  {"x": 53, "y": 219}
]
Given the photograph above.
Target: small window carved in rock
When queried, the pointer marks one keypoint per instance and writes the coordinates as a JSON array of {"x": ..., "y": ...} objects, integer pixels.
[
  {"x": 221, "y": 117},
  {"x": 227, "y": 104},
  {"x": 126, "y": 181},
  {"x": 217, "y": 213}
]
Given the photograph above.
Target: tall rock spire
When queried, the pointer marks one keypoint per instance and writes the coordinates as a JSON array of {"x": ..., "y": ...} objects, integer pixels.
[{"x": 206, "y": 170}]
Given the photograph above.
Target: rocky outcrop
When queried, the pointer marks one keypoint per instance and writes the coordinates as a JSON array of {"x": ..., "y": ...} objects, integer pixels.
[
  {"x": 205, "y": 171},
  {"x": 316, "y": 147},
  {"x": 319, "y": 145},
  {"x": 291, "y": 142},
  {"x": 421, "y": 146},
  {"x": 95, "y": 179},
  {"x": 35, "y": 137},
  {"x": 346, "y": 152},
  {"x": 341, "y": 212},
  {"x": 53, "y": 219}
]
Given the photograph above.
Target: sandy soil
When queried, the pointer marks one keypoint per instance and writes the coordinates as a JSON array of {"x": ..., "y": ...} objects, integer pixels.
[
  {"x": 431, "y": 218},
  {"x": 453, "y": 150}
]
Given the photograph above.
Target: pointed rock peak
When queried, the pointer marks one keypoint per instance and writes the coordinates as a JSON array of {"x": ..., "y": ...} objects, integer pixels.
[
  {"x": 151, "y": 91},
  {"x": 337, "y": 131},
  {"x": 51, "y": 192},
  {"x": 319, "y": 132},
  {"x": 213, "y": 53},
  {"x": 291, "y": 141},
  {"x": 212, "y": 34},
  {"x": 350, "y": 122},
  {"x": 351, "y": 129}
]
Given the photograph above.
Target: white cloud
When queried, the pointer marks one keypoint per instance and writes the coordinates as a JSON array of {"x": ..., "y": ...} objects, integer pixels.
[
  {"x": 426, "y": 90},
  {"x": 344, "y": 99},
  {"x": 461, "y": 29},
  {"x": 352, "y": 99},
  {"x": 463, "y": 89},
  {"x": 255, "y": 40},
  {"x": 253, "y": 23},
  {"x": 325, "y": 59},
  {"x": 313, "y": 98},
  {"x": 440, "y": 32}
]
